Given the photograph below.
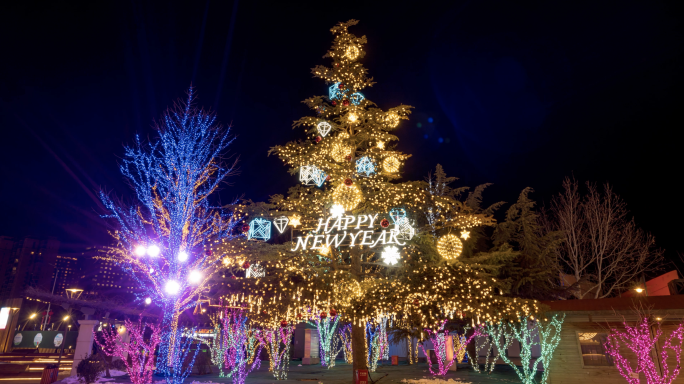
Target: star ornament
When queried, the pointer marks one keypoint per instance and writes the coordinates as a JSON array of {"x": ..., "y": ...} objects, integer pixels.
[
  {"x": 465, "y": 235},
  {"x": 337, "y": 210},
  {"x": 295, "y": 221},
  {"x": 390, "y": 255}
]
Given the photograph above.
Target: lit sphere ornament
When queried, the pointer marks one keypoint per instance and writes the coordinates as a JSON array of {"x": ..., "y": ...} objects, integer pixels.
[
  {"x": 195, "y": 277},
  {"x": 392, "y": 120},
  {"x": 153, "y": 251},
  {"x": 148, "y": 301},
  {"x": 384, "y": 223},
  {"x": 352, "y": 117},
  {"x": 449, "y": 246},
  {"x": 182, "y": 256},
  {"x": 391, "y": 164},
  {"x": 340, "y": 150},
  {"x": 172, "y": 287},
  {"x": 352, "y": 52},
  {"x": 347, "y": 196},
  {"x": 140, "y": 250}
]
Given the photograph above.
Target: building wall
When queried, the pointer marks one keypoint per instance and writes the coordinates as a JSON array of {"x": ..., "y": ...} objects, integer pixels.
[
  {"x": 101, "y": 277},
  {"x": 27, "y": 262},
  {"x": 68, "y": 270}
]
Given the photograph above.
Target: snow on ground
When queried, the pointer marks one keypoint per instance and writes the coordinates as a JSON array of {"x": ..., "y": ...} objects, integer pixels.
[
  {"x": 433, "y": 380},
  {"x": 101, "y": 379}
]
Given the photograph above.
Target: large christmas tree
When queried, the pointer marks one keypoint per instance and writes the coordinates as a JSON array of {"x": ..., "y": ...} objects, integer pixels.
[{"x": 351, "y": 242}]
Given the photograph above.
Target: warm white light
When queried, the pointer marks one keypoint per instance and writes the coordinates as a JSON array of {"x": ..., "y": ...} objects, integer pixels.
[
  {"x": 639, "y": 290},
  {"x": 153, "y": 251},
  {"x": 151, "y": 270},
  {"x": 337, "y": 210},
  {"x": 390, "y": 255},
  {"x": 66, "y": 318},
  {"x": 172, "y": 287},
  {"x": 32, "y": 316},
  {"x": 195, "y": 277},
  {"x": 148, "y": 301},
  {"x": 465, "y": 235},
  {"x": 352, "y": 117},
  {"x": 140, "y": 250},
  {"x": 182, "y": 256}
]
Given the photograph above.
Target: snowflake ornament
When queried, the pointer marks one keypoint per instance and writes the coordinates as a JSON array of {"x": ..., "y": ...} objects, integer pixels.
[
  {"x": 390, "y": 255},
  {"x": 324, "y": 128},
  {"x": 281, "y": 223},
  {"x": 259, "y": 229},
  {"x": 310, "y": 175},
  {"x": 337, "y": 210},
  {"x": 365, "y": 166}
]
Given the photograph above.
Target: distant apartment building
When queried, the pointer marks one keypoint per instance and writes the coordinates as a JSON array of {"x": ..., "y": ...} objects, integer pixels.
[
  {"x": 101, "y": 277},
  {"x": 26, "y": 262},
  {"x": 68, "y": 272}
]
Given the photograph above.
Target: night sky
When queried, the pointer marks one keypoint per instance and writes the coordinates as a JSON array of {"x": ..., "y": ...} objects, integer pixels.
[{"x": 515, "y": 95}]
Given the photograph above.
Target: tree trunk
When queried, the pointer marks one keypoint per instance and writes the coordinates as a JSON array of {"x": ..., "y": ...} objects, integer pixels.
[{"x": 359, "y": 351}]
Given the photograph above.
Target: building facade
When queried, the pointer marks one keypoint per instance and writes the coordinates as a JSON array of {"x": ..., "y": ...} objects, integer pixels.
[{"x": 26, "y": 262}]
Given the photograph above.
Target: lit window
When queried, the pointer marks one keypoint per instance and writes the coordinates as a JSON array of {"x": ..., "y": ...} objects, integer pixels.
[{"x": 593, "y": 353}]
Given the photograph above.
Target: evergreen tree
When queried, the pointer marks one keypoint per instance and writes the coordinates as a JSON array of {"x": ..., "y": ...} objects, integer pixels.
[{"x": 349, "y": 166}]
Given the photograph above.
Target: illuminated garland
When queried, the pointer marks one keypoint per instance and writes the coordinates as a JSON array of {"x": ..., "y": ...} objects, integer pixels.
[
  {"x": 644, "y": 342},
  {"x": 136, "y": 351}
]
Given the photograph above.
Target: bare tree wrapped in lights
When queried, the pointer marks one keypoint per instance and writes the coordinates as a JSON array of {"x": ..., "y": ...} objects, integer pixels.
[
  {"x": 277, "y": 342},
  {"x": 529, "y": 333},
  {"x": 360, "y": 241},
  {"x": 327, "y": 336},
  {"x": 645, "y": 339},
  {"x": 137, "y": 350},
  {"x": 164, "y": 239}
]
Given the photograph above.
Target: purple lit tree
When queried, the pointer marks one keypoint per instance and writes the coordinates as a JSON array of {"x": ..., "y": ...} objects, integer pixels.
[
  {"x": 164, "y": 239},
  {"x": 642, "y": 341},
  {"x": 136, "y": 350}
]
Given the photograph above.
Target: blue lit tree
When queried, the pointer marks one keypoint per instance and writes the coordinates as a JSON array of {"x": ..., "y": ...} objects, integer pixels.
[{"x": 164, "y": 237}]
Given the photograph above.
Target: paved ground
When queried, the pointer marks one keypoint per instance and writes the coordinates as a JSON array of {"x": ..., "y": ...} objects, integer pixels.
[{"x": 342, "y": 374}]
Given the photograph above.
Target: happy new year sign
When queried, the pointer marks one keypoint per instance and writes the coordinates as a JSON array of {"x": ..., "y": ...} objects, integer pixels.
[{"x": 349, "y": 231}]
